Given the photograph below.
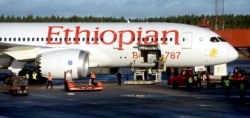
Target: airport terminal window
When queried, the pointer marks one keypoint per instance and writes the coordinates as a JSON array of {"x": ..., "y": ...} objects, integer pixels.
[{"x": 214, "y": 39}]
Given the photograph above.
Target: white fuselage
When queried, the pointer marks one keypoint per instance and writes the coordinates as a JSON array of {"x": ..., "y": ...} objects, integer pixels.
[{"x": 118, "y": 44}]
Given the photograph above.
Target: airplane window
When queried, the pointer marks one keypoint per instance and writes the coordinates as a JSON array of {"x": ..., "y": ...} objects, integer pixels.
[
  {"x": 183, "y": 39},
  {"x": 37, "y": 39},
  {"x": 32, "y": 39},
  {"x": 42, "y": 39},
  {"x": 83, "y": 39},
  {"x": 78, "y": 39},
  {"x": 171, "y": 39},
  {"x": 5, "y": 39},
  {"x": 0, "y": 39},
  {"x": 46, "y": 39},
  {"x": 214, "y": 39},
  {"x": 221, "y": 39},
  {"x": 60, "y": 38},
  {"x": 55, "y": 39},
  {"x": 9, "y": 39}
]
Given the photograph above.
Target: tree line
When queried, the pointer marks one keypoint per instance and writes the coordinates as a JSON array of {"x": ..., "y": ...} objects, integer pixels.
[{"x": 230, "y": 21}]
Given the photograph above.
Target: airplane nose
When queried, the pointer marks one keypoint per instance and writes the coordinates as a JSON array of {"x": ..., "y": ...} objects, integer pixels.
[{"x": 232, "y": 54}]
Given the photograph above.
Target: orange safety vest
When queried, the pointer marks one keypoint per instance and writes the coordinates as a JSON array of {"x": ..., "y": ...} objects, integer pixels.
[
  {"x": 50, "y": 78},
  {"x": 92, "y": 75}
]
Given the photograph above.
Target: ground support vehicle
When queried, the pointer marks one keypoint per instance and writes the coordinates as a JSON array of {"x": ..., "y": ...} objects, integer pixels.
[
  {"x": 238, "y": 76},
  {"x": 19, "y": 86},
  {"x": 70, "y": 85},
  {"x": 181, "y": 79}
]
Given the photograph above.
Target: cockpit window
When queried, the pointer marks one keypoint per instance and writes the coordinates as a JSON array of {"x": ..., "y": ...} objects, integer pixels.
[
  {"x": 214, "y": 39},
  {"x": 221, "y": 39}
]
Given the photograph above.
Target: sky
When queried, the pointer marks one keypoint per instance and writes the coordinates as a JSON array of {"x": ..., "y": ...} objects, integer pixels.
[{"x": 118, "y": 8}]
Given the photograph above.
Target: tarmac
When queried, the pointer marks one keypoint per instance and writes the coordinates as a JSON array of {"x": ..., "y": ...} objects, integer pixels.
[{"x": 126, "y": 101}]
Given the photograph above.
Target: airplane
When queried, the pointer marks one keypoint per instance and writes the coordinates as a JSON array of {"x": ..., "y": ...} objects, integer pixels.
[{"x": 56, "y": 47}]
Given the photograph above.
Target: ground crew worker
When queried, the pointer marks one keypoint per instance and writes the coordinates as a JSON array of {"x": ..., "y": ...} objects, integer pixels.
[
  {"x": 92, "y": 78},
  {"x": 34, "y": 77},
  {"x": 27, "y": 76},
  {"x": 227, "y": 87},
  {"x": 149, "y": 73},
  {"x": 119, "y": 78},
  {"x": 68, "y": 75},
  {"x": 190, "y": 83},
  {"x": 229, "y": 76},
  {"x": 199, "y": 79},
  {"x": 208, "y": 79},
  {"x": 242, "y": 91},
  {"x": 49, "y": 81}
]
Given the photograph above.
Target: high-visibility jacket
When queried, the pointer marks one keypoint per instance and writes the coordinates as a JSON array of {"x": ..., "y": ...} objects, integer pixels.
[
  {"x": 230, "y": 77},
  {"x": 242, "y": 87},
  {"x": 198, "y": 75},
  {"x": 92, "y": 75},
  {"x": 50, "y": 78},
  {"x": 27, "y": 76},
  {"x": 190, "y": 80},
  {"x": 34, "y": 76},
  {"x": 227, "y": 83},
  {"x": 149, "y": 71}
]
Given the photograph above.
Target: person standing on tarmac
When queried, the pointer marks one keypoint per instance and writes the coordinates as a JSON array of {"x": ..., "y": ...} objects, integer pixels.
[
  {"x": 119, "y": 78},
  {"x": 227, "y": 87},
  {"x": 190, "y": 83},
  {"x": 49, "y": 81},
  {"x": 34, "y": 77},
  {"x": 199, "y": 79},
  {"x": 149, "y": 73},
  {"x": 92, "y": 78},
  {"x": 242, "y": 91},
  {"x": 27, "y": 76},
  {"x": 208, "y": 79}
]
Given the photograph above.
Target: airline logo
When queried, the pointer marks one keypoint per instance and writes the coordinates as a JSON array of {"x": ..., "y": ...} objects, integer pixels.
[
  {"x": 117, "y": 36},
  {"x": 213, "y": 53}
]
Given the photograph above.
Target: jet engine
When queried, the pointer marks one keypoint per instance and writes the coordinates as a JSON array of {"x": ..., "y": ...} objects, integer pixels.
[{"x": 57, "y": 62}]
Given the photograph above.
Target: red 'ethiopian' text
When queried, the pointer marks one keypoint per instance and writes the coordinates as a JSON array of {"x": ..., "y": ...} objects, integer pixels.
[{"x": 123, "y": 37}]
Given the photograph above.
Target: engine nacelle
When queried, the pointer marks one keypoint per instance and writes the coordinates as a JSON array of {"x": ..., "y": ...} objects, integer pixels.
[{"x": 57, "y": 62}]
